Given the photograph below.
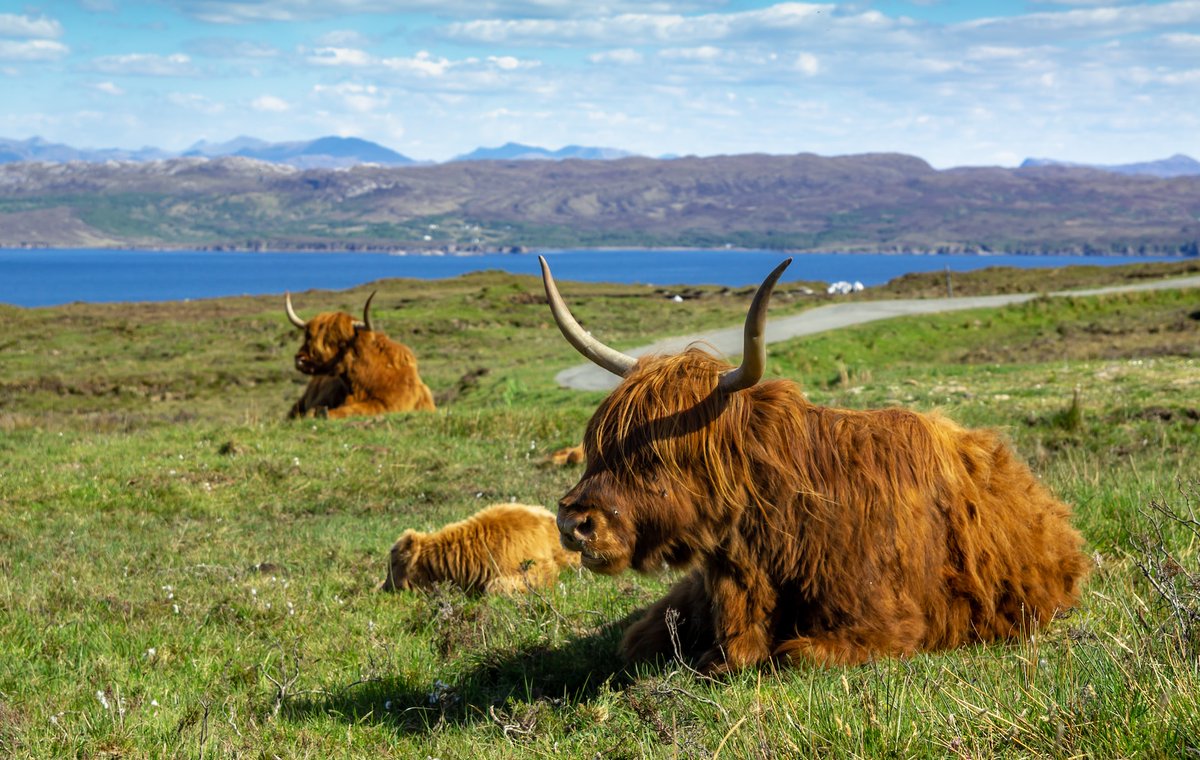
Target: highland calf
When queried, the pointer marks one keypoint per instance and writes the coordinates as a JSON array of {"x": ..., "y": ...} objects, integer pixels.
[
  {"x": 504, "y": 549},
  {"x": 355, "y": 370},
  {"x": 812, "y": 534}
]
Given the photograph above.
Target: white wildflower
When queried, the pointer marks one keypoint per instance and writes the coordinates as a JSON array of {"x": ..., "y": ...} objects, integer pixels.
[{"x": 103, "y": 699}]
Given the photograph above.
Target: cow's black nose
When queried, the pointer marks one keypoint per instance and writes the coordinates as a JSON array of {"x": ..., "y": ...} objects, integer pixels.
[{"x": 575, "y": 528}]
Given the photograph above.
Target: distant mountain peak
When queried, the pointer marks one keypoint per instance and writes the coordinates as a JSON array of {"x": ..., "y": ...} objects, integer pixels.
[
  {"x": 513, "y": 151},
  {"x": 1177, "y": 165}
]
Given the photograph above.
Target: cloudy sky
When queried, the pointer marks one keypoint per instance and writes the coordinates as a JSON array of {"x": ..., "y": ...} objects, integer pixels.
[{"x": 957, "y": 82}]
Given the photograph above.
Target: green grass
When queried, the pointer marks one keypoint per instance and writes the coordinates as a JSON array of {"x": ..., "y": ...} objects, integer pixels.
[{"x": 184, "y": 573}]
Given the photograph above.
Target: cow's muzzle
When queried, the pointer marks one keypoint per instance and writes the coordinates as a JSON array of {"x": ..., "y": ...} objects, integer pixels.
[
  {"x": 305, "y": 365},
  {"x": 575, "y": 530}
]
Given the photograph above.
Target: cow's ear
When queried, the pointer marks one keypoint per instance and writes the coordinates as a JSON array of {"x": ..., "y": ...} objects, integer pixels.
[{"x": 408, "y": 546}]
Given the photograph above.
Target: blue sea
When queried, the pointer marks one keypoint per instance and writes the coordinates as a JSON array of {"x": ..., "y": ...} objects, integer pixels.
[{"x": 49, "y": 277}]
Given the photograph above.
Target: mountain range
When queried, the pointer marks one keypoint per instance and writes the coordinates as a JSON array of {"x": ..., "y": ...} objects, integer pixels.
[
  {"x": 322, "y": 153},
  {"x": 1177, "y": 165},
  {"x": 881, "y": 202},
  {"x": 343, "y": 152}
]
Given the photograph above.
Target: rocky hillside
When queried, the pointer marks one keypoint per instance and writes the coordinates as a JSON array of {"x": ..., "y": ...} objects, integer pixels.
[{"x": 872, "y": 202}]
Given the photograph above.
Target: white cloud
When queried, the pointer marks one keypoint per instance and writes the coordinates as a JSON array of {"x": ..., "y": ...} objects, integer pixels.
[
  {"x": 359, "y": 98},
  {"x": 270, "y": 104},
  {"x": 776, "y": 21},
  {"x": 702, "y": 53},
  {"x": 624, "y": 56},
  {"x": 808, "y": 64},
  {"x": 1186, "y": 78},
  {"x": 1092, "y": 22},
  {"x": 426, "y": 71},
  {"x": 32, "y": 50},
  {"x": 12, "y": 25},
  {"x": 108, "y": 88},
  {"x": 196, "y": 102},
  {"x": 339, "y": 56},
  {"x": 995, "y": 52},
  {"x": 422, "y": 64},
  {"x": 225, "y": 47},
  {"x": 505, "y": 62},
  {"x": 252, "y": 11},
  {"x": 342, "y": 38},
  {"x": 145, "y": 64},
  {"x": 1179, "y": 39}
]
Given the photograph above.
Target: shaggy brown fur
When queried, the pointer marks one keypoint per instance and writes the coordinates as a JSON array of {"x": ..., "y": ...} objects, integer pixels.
[
  {"x": 504, "y": 548},
  {"x": 816, "y": 534},
  {"x": 356, "y": 371}
]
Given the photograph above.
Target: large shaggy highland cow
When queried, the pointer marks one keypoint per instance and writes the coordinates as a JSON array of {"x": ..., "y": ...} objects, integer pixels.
[
  {"x": 813, "y": 534},
  {"x": 355, "y": 370}
]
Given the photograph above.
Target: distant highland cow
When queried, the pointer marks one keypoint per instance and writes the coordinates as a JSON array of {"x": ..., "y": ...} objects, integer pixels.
[
  {"x": 502, "y": 549},
  {"x": 355, "y": 370},
  {"x": 569, "y": 455},
  {"x": 812, "y": 534}
]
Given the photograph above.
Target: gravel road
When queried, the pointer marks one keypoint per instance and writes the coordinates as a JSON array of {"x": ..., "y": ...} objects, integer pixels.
[{"x": 728, "y": 341}]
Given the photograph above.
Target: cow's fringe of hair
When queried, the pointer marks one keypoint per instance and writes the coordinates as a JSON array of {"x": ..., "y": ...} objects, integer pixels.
[{"x": 676, "y": 415}]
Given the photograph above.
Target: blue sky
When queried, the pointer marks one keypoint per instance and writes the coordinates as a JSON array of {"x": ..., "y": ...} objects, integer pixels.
[{"x": 957, "y": 83}]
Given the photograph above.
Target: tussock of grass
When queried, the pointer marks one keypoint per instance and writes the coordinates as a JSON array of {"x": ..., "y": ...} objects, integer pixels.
[{"x": 185, "y": 573}]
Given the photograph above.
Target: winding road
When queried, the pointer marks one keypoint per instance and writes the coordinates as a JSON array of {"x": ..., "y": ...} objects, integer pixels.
[{"x": 728, "y": 341}]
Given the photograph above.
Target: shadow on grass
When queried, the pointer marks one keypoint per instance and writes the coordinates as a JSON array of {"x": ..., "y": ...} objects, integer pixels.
[{"x": 573, "y": 673}]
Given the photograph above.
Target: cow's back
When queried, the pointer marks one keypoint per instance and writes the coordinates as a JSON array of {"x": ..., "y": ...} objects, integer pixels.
[{"x": 399, "y": 382}]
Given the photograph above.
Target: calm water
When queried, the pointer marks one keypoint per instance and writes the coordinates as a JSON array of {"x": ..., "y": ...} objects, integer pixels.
[{"x": 49, "y": 277}]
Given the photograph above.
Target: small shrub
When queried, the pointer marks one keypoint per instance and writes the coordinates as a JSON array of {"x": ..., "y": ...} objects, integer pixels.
[{"x": 1165, "y": 553}]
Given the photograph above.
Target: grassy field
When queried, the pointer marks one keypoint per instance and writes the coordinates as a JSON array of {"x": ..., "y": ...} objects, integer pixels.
[{"x": 185, "y": 573}]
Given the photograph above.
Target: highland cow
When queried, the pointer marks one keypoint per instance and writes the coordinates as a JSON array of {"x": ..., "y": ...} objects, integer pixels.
[
  {"x": 812, "y": 534},
  {"x": 355, "y": 370},
  {"x": 504, "y": 549},
  {"x": 569, "y": 455}
]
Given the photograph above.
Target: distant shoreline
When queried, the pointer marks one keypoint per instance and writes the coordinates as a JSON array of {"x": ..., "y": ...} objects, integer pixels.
[{"x": 517, "y": 250}]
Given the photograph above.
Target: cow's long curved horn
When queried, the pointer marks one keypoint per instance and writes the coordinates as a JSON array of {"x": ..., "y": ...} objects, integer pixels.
[
  {"x": 291, "y": 313},
  {"x": 754, "y": 353},
  {"x": 367, "y": 311},
  {"x": 609, "y": 358}
]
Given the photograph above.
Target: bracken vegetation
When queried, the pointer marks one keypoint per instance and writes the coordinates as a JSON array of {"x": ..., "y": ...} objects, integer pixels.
[{"x": 185, "y": 573}]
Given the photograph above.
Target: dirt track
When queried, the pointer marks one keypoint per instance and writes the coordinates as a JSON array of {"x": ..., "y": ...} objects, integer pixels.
[{"x": 728, "y": 341}]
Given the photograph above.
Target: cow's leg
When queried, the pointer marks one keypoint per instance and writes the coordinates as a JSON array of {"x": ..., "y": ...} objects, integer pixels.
[
  {"x": 832, "y": 648},
  {"x": 358, "y": 409},
  {"x": 322, "y": 392},
  {"x": 743, "y": 609},
  {"x": 534, "y": 574},
  {"x": 687, "y": 609}
]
